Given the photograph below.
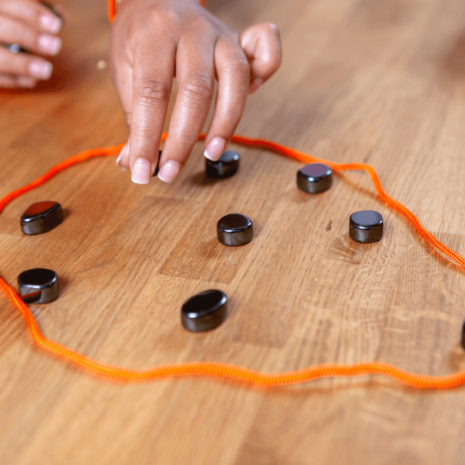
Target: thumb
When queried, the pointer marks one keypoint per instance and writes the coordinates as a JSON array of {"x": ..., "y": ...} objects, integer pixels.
[{"x": 262, "y": 46}]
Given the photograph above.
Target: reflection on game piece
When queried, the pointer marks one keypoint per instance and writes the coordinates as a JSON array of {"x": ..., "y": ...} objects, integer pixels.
[
  {"x": 157, "y": 169},
  {"x": 205, "y": 311},
  {"x": 225, "y": 167},
  {"x": 38, "y": 286},
  {"x": 234, "y": 230},
  {"x": 366, "y": 226},
  {"x": 41, "y": 217},
  {"x": 315, "y": 178}
]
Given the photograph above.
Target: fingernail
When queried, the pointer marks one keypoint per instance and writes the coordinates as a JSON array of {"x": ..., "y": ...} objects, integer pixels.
[
  {"x": 121, "y": 155},
  {"x": 169, "y": 171},
  {"x": 215, "y": 148},
  {"x": 141, "y": 171},
  {"x": 40, "y": 69},
  {"x": 49, "y": 44},
  {"x": 51, "y": 23}
]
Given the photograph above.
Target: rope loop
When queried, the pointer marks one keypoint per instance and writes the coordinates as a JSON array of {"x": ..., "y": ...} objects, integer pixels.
[{"x": 223, "y": 370}]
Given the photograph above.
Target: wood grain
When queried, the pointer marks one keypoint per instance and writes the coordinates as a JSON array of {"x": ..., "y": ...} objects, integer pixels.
[{"x": 362, "y": 80}]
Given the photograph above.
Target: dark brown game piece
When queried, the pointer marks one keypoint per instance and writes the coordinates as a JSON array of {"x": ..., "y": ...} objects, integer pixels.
[
  {"x": 234, "y": 230},
  {"x": 38, "y": 286},
  {"x": 205, "y": 311},
  {"x": 226, "y": 166},
  {"x": 157, "y": 169},
  {"x": 366, "y": 226},
  {"x": 315, "y": 178},
  {"x": 41, "y": 217}
]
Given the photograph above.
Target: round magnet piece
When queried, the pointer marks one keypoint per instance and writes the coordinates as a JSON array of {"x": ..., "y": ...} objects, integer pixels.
[
  {"x": 38, "y": 286},
  {"x": 315, "y": 178},
  {"x": 463, "y": 335},
  {"x": 157, "y": 169},
  {"x": 234, "y": 230},
  {"x": 366, "y": 226},
  {"x": 226, "y": 166},
  {"x": 15, "y": 48},
  {"x": 41, "y": 217},
  {"x": 205, "y": 311}
]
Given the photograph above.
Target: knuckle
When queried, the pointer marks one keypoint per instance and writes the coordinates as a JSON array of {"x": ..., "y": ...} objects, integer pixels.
[
  {"x": 146, "y": 136},
  {"x": 199, "y": 88},
  {"x": 23, "y": 35},
  {"x": 12, "y": 63},
  {"x": 240, "y": 67},
  {"x": 19, "y": 63},
  {"x": 153, "y": 92}
]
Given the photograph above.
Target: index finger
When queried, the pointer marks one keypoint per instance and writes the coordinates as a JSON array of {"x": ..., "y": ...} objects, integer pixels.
[
  {"x": 153, "y": 77},
  {"x": 195, "y": 77}
]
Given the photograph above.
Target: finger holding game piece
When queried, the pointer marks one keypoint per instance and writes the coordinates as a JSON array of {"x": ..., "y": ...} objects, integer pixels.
[
  {"x": 234, "y": 230},
  {"x": 366, "y": 226},
  {"x": 314, "y": 178},
  {"x": 41, "y": 217},
  {"x": 38, "y": 286},
  {"x": 226, "y": 166},
  {"x": 205, "y": 311}
]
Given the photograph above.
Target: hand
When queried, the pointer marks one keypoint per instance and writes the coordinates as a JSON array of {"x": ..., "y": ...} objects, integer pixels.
[
  {"x": 156, "y": 40},
  {"x": 33, "y": 26}
]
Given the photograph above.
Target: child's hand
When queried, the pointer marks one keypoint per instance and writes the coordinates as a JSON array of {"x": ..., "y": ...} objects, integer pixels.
[
  {"x": 155, "y": 40},
  {"x": 32, "y": 26}
]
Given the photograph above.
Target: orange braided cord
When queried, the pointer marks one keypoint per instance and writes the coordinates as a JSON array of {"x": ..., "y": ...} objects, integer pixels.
[
  {"x": 221, "y": 369},
  {"x": 111, "y": 4},
  {"x": 56, "y": 169}
]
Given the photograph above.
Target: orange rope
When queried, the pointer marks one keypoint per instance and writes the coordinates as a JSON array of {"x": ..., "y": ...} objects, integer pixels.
[
  {"x": 111, "y": 4},
  {"x": 221, "y": 369}
]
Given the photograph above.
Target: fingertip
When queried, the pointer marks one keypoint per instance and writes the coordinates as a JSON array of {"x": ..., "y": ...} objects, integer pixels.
[
  {"x": 273, "y": 26},
  {"x": 141, "y": 171},
  {"x": 49, "y": 44},
  {"x": 255, "y": 85},
  {"x": 40, "y": 69},
  {"x": 169, "y": 171},
  {"x": 215, "y": 148},
  {"x": 51, "y": 23}
]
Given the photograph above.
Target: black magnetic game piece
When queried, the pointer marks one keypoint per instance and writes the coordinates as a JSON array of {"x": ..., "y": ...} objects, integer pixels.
[
  {"x": 366, "y": 226},
  {"x": 53, "y": 9},
  {"x": 463, "y": 335},
  {"x": 234, "y": 230},
  {"x": 15, "y": 48},
  {"x": 157, "y": 169},
  {"x": 38, "y": 286},
  {"x": 226, "y": 166},
  {"x": 41, "y": 217},
  {"x": 315, "y": 178},
  {"x": 205, "y": 311}
]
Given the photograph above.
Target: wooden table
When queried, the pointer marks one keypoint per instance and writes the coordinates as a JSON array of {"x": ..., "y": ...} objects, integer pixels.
[{"x": 362, "y": 80}]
